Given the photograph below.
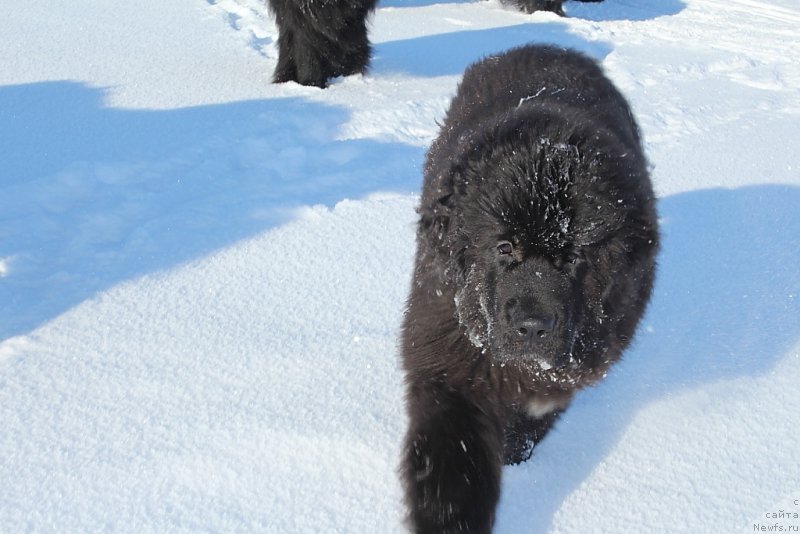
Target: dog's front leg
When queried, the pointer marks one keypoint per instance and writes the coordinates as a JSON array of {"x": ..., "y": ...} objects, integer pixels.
[{"x": 452, "y": 463}]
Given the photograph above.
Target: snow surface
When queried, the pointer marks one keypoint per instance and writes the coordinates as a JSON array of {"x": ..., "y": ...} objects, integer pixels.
[{"x": 202, "y": 274}]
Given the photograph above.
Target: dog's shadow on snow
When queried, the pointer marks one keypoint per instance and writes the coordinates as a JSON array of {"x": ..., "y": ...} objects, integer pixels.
[
  {"x": 609, "y": 10},
  {"x": 599, "y": 11},
  {"x": 94, "y": 195},
  {"x": 447, "y": 54},
  {"x": 726, "y": 305},
  {"x": 417, "y": 3}
]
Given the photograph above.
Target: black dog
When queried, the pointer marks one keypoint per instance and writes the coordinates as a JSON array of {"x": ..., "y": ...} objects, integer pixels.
[
  {"x": 535, "y": 260},
  {"x": 322, "y": 39}
]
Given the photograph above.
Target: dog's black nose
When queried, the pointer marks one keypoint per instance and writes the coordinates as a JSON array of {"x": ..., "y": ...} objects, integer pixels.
[{"x": 533, "y": 328}]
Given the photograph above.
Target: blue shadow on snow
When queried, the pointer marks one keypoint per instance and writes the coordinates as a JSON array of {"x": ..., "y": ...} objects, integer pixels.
[
  {"x": 598, "y": 11},
  {"x": 92, "y": 195},
  {"x": 609, "y": 10},
  {"x": 450, "y": 53}
]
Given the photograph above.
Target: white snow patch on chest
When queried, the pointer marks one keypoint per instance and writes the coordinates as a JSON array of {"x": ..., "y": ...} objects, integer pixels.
[{"x": 539, "y": 407}]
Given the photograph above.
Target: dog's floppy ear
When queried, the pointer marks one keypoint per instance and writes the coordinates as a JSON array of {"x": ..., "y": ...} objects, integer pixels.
[
  {"x": 438, "y": 198},
  {"x": 438, "y": 211},
  {"x": 447, "y": 201},
  {"x": 435, "y": 215}
]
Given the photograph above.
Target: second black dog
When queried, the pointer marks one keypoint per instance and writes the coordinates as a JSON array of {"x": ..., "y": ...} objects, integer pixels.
[{"x": 322, "y": 39}]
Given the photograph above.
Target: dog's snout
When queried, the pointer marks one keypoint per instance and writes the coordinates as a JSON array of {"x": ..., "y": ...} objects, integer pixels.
[
  {"x": 535, "y": 326},
  {"x": 530, "y": 323}
]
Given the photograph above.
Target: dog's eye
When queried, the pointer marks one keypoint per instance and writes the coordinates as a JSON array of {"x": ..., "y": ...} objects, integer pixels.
[
  {"x": 572, "y": 257},
  {"x": 505, "y": 248}
]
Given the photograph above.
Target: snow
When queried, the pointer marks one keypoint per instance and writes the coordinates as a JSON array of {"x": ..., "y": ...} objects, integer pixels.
[{"x": 202, "y": 274}]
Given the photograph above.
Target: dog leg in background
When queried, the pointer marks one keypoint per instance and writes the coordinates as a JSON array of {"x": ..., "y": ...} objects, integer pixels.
[
  {"x": 529, "y": 6},
  {"x": 452, "y": 463},
  {"x": 321, "y": 39}
]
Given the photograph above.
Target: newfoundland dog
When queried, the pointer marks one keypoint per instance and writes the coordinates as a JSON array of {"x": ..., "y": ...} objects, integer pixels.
[
  {"x": 322, "y": 39},
  {"x": 535, "y": 260}
]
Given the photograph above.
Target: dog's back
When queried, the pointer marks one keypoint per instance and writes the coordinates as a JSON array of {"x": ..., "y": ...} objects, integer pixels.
[{"x": 540, "y": 76}]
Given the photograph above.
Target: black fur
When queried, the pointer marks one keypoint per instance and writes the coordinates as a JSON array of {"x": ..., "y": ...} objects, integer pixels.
[
  {"x": 535, "y": 260},
  {"x": 321, "y": 39},
  {"x": 529, "y": 6}
]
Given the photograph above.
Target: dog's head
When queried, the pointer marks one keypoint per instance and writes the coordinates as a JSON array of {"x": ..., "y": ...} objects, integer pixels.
[{"x": 551, "y": 249}]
